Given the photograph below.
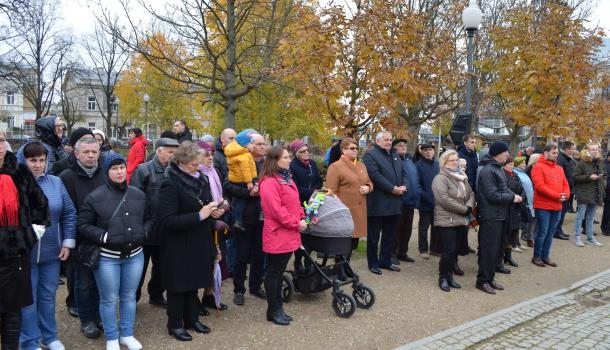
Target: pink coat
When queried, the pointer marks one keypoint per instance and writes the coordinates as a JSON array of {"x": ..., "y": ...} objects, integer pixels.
[{"x": 283, "y": 212}]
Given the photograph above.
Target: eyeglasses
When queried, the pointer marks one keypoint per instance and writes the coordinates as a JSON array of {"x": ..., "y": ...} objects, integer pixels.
[
  {"x": 352, "y": 148},
  {"x": 304, "y": 151}
]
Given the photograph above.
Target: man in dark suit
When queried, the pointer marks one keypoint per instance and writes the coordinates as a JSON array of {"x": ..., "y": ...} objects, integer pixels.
[{"x": 384, "y": 204}]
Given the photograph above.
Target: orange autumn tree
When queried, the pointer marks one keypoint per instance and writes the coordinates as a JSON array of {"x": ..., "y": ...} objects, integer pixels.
[{"x": 545, "y": 73}]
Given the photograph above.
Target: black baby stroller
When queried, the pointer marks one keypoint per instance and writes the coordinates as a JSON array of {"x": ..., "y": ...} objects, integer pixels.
[{"x": 329, "y": 234}]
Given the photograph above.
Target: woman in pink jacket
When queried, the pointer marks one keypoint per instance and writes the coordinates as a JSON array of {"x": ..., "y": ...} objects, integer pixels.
[{"x": 281, "y": 231}]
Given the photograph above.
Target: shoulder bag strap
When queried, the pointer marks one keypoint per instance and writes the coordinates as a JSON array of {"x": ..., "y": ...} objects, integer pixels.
[{"x": 116, "y": 210}]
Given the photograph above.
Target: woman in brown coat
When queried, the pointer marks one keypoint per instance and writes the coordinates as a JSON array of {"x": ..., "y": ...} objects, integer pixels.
[{"x": 349, "y": 180}]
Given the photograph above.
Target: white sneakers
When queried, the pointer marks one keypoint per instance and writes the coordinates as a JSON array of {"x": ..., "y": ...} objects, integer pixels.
[
  {"x": 55, "y": 345},
  {"x": 592, "y": 241},
  {"x": 131, "y": 343},
  {"x": 113, "y": 345}
]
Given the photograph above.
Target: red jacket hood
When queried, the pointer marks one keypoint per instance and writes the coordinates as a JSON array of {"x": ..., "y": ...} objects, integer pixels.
[{"x": 139, "y": 139}]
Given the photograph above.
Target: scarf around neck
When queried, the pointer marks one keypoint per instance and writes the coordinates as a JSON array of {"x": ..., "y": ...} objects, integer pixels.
[
  {"x": 191, "y": 184},
  {"x": 286, "y": 176},
  {"x": 89, "y": 171},
  {"x": 215, "y": 185},
  {"x": 458, "y": 176}
]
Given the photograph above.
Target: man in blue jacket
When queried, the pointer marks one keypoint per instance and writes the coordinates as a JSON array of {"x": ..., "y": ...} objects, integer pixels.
[
  {"x": 467, "y": 151},
  {"x": 427, "y": 169},
  {"x": 410, "y": 201}
]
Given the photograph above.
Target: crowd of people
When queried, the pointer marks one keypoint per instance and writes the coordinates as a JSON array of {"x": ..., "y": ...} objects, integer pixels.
[{"x": 199, "y": 211}]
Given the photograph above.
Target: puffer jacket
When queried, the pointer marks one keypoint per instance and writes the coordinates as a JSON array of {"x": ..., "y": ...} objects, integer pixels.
[
  {"x": 451, "y": 211},
  {"x": 549, "y": 182},
  {"x": 123, "y": 236},
  {"x": 137, "y": 154},
  {"x": 242, "y": 168},
  {"x": 588, "y": 191},
  {"x": 283, "y": 212},
  {"x": 62, "y": 230},
  {"x": 493, "y": 195}
]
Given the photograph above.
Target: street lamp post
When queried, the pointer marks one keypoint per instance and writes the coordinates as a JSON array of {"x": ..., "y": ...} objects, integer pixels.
[
  {"x": 146, "y": 99},
  {"x": 471, "y": 17}
]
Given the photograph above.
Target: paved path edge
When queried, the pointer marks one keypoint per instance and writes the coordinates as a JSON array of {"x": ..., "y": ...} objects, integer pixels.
[{"x": 438, "y": 336}]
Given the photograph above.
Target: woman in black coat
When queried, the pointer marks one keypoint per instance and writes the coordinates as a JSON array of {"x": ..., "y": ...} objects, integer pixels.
[
  {"x": 23, "y": 204},
  {"x": 187, "y": 214},
  {"x": 304, "y": 170}
]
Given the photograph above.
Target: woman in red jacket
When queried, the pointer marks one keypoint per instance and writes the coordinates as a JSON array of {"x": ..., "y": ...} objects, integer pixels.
[
  {"x": 137, "y": 152},
  {"x": 281, "y": 231}
]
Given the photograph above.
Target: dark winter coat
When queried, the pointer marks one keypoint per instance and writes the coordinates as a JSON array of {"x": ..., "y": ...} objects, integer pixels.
[
  {"x": 472, "y": 163},
  {"x": 45, "y": 132},
  {"x": 385, "y": 171},
  {"x": 412, "y": 198},
  {"x": 123, "y": 236},
  {"x": 252, "y": 211},
  {"x": 427, "y": 170},
  {"x": 220, "y": 162},
  {"x": 515, "y": 210},
  {"x": 16, "y": 242},
  {"x": 148, "y": 178},
  {"x": 588, "y": 191},
  {"x": 79, "y": 184},
  {"x": 569, "y": 165},
  {"x": 306, "y": 177},
  {"x": 64, "y": 164},
  {"x": 185, "y": 136},
  {"x": 187, "y": 247},
  {"x": 493, "y": 196}
]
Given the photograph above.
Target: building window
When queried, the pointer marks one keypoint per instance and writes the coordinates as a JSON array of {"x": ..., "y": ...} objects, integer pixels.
[
  {"x": 114, "y": 104},
  {"x": 10, "y": 121},
  {"x": 10, "y": 98},
  {"x": 92, "y": 126},
  {"x": 91, "y": 103}
]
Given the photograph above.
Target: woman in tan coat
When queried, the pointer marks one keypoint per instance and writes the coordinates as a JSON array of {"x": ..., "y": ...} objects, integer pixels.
[
  {"x": 454, "y": 202},
  {"x": 349, "y": 180}
]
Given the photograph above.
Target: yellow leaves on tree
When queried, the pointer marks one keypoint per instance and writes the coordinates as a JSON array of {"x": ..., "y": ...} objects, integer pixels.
[
  {"x": 169, "y": 100},
  {"x": 545, "y": 73}
]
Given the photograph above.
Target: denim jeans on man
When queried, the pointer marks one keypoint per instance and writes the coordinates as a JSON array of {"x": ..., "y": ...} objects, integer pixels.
[
  {"x": 117, "y": 280},
  {"x": 585, "y": 212},
  {"x": 38, "y": 320},
  {"x": 547, "y": 221},
  {"x": 86, "y": 294}
]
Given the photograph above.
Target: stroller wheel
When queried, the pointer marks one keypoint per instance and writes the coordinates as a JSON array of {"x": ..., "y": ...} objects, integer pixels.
[
  {"x": 287, "y": 287},
  {"x": 364, "y": 296},
  {"x": 344, "y": 304}
]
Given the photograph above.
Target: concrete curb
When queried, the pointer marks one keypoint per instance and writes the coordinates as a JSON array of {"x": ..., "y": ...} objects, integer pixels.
[{"x": 439, "y": 336}]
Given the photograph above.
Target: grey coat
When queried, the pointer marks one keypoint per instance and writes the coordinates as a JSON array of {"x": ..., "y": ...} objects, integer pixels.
[{"x": 451, "y": 211}]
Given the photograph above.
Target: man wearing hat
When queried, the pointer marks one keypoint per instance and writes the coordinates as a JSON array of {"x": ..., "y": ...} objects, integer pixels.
[
  {"x": 304, "y": 170},
  {"x": 427, "y": 169},
  {"x": 148, "y": 177},
  {"x": 84, "y": 176},
  {"x": 493, "y": 200},
  {"x": 410, "y": 201}
]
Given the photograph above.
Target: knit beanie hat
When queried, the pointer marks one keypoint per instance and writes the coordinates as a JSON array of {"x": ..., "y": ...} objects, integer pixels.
[
  {"x": 497, "y": 147},
  {"x": 78, "y": 134},
  {"x": 244, "y": 138},
  {"x": 296, "y": 145},
  {"x": 112, "y": 159},
  {"x": 519, "y": 160}
]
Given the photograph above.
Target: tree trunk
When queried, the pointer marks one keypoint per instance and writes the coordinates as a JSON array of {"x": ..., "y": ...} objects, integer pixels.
[
  {"x": 514, "y": 141},
  {"x": 414, "y": 131}
]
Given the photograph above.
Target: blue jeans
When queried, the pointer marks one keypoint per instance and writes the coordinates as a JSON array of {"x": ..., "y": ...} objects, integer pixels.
[
  {"x": 547, "y": 221},
  {"x": 588, "y": 211},
  {"x": 565, "y": 206},
  {"x": 85, "y": 294},
  {"x": 38, "y": 320},
  {"x": 117, "y": 281}
]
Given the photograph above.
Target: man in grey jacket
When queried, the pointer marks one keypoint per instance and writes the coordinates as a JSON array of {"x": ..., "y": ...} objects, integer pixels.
[{"x": 148, "y": 177}]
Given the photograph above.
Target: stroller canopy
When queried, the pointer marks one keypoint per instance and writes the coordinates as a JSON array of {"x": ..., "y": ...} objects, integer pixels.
[{"x": 334, "y": 220}]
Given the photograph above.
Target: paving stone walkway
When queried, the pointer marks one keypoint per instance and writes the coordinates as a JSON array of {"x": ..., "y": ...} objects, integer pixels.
[{"x": 573, "y": 318}]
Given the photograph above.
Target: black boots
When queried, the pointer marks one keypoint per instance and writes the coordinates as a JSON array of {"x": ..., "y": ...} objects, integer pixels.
[
  {"x": 443, "y": 283},
  {"x": 453, "y": 283},
  {"x": 457, "y": 270},
  {"x": 508, "y": 258},
  {"x": 277, "y": 317},
  {"x": 11, "y": 326}
]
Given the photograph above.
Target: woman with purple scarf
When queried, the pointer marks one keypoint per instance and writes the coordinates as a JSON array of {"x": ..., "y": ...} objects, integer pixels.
[{"x": 207, "y": 169}]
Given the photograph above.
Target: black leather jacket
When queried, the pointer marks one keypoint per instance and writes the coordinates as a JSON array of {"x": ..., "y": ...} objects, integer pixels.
[
  {"x": 493, "y": 196},
  {"x": 148, "y": 178}
]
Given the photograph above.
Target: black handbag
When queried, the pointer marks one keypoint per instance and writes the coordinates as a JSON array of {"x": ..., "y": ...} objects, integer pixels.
[{"x": 89, "y": 254}]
